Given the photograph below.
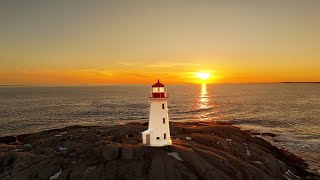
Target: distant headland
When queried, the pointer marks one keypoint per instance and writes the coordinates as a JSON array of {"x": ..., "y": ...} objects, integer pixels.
[{"x": 302, "y": 82}]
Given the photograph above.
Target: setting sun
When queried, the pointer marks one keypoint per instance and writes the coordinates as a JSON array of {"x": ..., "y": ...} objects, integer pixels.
[{"x": 202, "y": 75}]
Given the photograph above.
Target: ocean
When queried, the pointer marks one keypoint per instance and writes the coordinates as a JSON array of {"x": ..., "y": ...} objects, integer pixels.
[{"x": 290, "y": 110}]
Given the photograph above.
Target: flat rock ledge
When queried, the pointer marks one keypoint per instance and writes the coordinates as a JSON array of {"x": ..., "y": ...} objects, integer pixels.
[{"x": 200, "y": 150}]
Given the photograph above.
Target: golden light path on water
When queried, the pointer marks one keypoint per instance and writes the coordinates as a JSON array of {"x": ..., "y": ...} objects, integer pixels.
[
  {"x": 203, "y": 98},
  {"x": 204, "y": 101}
]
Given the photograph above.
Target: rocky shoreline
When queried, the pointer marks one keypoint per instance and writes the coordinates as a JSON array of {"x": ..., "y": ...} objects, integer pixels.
[{"x": 200, "y": 150}]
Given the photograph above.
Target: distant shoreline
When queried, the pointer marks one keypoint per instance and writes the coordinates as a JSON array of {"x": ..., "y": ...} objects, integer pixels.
[
  {"x": 302, "y": 82},
  {"x": 10, "y": 85},
  {"x": 58, "y": 85}
]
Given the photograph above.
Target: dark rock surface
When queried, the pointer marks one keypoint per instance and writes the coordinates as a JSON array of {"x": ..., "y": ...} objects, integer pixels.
[{"x": 200, "y": 150}]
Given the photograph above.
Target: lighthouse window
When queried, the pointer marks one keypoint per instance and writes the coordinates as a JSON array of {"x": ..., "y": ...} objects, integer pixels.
[
  {"x": 154, "y": 90},
  {"x": 164, "y": 120},
  {"x": 164, "y": 136},
  {"x": 158, "y": 138},
  {"x": 161, "y": 89},
  {"x": 162, "y": 106}
]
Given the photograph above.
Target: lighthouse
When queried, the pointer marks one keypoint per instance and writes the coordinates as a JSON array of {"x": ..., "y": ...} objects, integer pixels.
[{"x": 158, "y": 132}]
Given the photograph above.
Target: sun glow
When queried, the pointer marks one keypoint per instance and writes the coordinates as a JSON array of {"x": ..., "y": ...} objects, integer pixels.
[{"x": 203, "y": 75}]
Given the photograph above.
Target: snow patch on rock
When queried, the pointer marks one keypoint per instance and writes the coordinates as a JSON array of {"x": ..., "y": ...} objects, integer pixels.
[
  {"x": 257, "y": 162},
  {"x": 62, "y": 148},
  {"x": 289, "y": 175},
  {"x": 247, "y": 149},
  {"x": 56, "y": 175},
  {"x": 175, "y": 155}
]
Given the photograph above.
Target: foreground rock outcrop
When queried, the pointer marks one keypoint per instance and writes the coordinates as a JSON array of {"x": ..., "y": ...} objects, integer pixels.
[{"x": 200, "y": 150}]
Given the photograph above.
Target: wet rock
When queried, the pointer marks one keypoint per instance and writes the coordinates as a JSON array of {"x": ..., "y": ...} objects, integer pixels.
[
  {"x": 7, "y": 139},
  {"x": 268, "y": 134}
]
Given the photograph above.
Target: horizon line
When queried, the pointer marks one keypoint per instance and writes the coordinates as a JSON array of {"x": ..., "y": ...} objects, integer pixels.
[{"x": 285, "y": 82}]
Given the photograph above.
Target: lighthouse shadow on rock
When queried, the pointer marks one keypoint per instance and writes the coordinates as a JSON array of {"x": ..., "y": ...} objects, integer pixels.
[{"x": 158, "y": 132}]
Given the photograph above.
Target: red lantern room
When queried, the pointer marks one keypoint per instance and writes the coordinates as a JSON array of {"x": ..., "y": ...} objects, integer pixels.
[{"x": 158, "y": 90}]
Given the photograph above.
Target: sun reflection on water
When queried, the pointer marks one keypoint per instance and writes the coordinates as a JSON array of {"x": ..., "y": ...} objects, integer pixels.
[
  {"x": 206, "y": 105},
  {"x": 203, "y": 98},
  {"x": 204, "y": 102}
]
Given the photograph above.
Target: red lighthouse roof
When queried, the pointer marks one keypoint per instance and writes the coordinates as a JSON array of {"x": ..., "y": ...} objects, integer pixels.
[{"x": 158, "y": 84}]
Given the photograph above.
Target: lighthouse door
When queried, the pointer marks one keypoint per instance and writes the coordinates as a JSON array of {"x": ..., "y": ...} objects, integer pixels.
[{"x": 148, "y": 139}]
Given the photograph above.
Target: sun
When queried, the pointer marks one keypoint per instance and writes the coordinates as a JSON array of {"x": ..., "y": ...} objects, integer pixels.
[{"x": 203, "y": 75}]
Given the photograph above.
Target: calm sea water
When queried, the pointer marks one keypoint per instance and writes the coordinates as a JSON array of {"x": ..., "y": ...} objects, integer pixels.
[{"x": 290, "y": 110}]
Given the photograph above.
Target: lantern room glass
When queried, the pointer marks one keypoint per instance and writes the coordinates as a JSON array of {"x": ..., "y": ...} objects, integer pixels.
[{"x": 158, "y": 90}]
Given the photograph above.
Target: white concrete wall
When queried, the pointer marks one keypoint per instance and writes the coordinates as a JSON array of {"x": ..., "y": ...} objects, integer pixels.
[{"x": 156, "y": 122}]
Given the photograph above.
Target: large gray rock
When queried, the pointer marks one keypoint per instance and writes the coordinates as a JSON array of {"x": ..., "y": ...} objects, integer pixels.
[
  {"x": 166, "y": 167},
  {"x": 214, "y": 152},
  {"x": 139, "y": 152},
  {"x": 110, "y": 152},
  {"x": 21, "y": 175},
  {"x": 127, "y": 153},
  {"x": 8, "y": 159},
  {"x": 45, "y": 151}
]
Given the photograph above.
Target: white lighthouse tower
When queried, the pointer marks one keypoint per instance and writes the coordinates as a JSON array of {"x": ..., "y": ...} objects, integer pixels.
[{"x": 158, "y": 133}]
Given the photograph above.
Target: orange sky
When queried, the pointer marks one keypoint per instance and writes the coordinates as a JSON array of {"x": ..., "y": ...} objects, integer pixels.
[{"x": 80, "y": 42}]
